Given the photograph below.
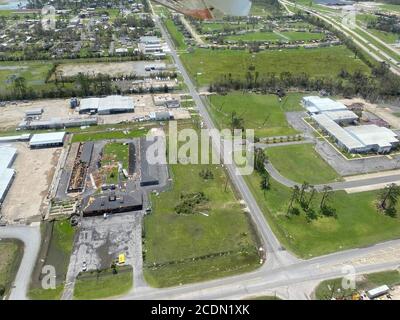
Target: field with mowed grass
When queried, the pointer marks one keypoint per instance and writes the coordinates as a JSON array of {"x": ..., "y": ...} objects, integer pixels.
[
  {"x": 263, "y": 113},
  {"x": 329, "y": 288},
  {"x": 275, "y": 36},
  {"x": 358, "y": 222},
  {"x": 214, "y": 241},
  {"x": 103, "y": 284},
  {"x": 59, "y": 237},
  {"x": 301, "y": 163},
  {"x": 35, "y": 73},
  {"x": 206, "y": 65},
  {"x": 11, "y": 252},
  {"x": 176, "y": 34}
]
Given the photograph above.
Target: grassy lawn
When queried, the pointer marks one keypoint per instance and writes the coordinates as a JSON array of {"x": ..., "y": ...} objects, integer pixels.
[
  {"x": 328, "y": 288},
  {"x": 184, "y": 248},
  {"x": 58, "y": 255},
  {"x": 221, "y": 26},
  {"x": 107, "y": 135},
  {"x": 177, "y": 36},
  {"x": 388, "y": 37},
  {"x": 114, "y": 153},
  {"x": 272, "y": 36},
  {"x": 358, "y": 222},
  {"x": 263, "y": 113},
  {"x": 321, "y": 62},
  {"x": 255, "y": 36},
  {"x": 35, "y": 73},
  {"x": 301, "y": 163},
  {"x": 11, "y": 252},
  {"x": 98, "y": 285}
]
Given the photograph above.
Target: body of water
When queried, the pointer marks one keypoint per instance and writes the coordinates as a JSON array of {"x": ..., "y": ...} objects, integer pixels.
[{"x": 12, "y": 4}]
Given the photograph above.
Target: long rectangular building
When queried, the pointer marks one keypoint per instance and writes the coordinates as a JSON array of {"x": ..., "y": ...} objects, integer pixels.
[
  {"x": 7, "y": 157},
  {"x": 47, "y": 140},
  {"x": 358, "y": 139},
  {"x": 107, "y": 105}
]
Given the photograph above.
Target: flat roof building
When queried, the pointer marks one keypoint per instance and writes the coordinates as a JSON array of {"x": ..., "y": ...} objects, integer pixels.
[
  {"x": 316, "y": 105},
  {"x": 7, "y": 157},
  {"x": 111, "y": 203},
  {"x": 358, "y": 139},
  {"x": 107, "y": 105},
  {"x": 47, "y": 140},
  {"x": 57, "y": 123}
]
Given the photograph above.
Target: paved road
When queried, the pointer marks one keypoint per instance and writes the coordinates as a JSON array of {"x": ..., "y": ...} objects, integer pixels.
[
  {"x": 340, "y": 185},
  {"x": 30, "y": 236},
  {"x": 275, "y": 254},
  {"x": 280, "y": 280}
]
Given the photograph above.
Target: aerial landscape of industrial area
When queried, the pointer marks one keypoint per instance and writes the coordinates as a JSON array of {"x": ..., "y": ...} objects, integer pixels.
[{"x": 199, "y": 150}]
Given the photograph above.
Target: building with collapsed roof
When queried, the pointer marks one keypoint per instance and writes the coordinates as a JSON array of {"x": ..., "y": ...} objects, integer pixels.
[
  {"x": 56, "y": 123},
  {"x": 111, "y": 203}
]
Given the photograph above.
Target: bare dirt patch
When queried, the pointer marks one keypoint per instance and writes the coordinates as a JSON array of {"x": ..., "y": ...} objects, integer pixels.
[
  {"x": 113, "y": 69},
  {"x": 34, "y": 173},
  {"x": 13, "y": 113}
]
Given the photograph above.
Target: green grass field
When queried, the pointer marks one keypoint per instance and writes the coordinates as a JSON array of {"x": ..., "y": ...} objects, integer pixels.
[
  {"x": 206, "y": 65},
  {"x": 274, "y": 37},
  {"x": 263, "y": 113},
  {"x": 107, "y": 135},
  {"x": 35, "y": 73},
  {"x": 177, "y": 242},
  {"x": 328, "y": 289},
  {"x": 58, "y": 255},
  {"x": 358, "y": 222},
  {"x": 114, "y": 153},
  {"x": 11, "y": 252},
  {"x": 177, "y": 36},
  {"x": 301, "y": 163},
  {"x": 92, "y": 285}
]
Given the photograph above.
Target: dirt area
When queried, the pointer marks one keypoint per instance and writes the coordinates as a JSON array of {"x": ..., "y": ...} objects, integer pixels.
[
  {"x": 34, "y": 173},
  {"x": 13, "y": 113},
  {"x": 113, "y": 69},
  {"x": 144, "y": 104},
  {"x": 384, "y": 113}
]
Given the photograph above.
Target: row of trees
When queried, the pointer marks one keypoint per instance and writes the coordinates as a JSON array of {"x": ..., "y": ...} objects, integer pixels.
[
  {"x": 304, "y": 196},
  {"x": 380, "y": 84}
]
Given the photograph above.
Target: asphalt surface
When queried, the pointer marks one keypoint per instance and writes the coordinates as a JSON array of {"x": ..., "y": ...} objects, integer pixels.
[
  {"x": 30, "y": 236},
  {"x": 340, "y": 185}
]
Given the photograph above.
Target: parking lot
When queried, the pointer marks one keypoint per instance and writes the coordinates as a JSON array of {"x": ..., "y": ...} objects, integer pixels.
[
  {"x": 34, "y": 173},
  {"x": 100, "y": 241}
]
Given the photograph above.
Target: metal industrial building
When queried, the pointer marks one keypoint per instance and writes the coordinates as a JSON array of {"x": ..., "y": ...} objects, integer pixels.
[
  {"x": 7, "y": 157},
  {"x": 107, "y": 105},
  {"x": 57, "y": 123},
  {"x": 358, "y": 139},
  {"x": 336, "y": 111},
  {"x": 47, "y": 140}
]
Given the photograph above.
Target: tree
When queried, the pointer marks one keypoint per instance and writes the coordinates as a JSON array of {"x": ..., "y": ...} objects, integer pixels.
[
  {"x": 388, "y": 199},
  {"x": 19, "y": 86},
  {"x": 236, "y": 122},
  {"x": 312, "y": 194},
  {"x": 325, "y": 195},
  {"x": 259, "y": 160},
  {"x": 264, "y": 184},
  {"x": 303, "y": 189},
  {"x": 293, "y": 198}
]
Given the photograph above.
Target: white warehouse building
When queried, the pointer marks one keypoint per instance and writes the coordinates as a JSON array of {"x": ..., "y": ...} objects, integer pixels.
[
  {"x": 358, "y": 139},
  {"x": 108, "y": 105},
  {"x": 336, "y": 111},
  {"x": 7, "y": 157},
  {"x": 47, "y": 140}
]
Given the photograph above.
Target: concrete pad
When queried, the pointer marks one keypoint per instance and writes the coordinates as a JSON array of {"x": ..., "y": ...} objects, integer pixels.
[
  {"x": 369, "y": 188},
  {"x": 372, "y": 175}
]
